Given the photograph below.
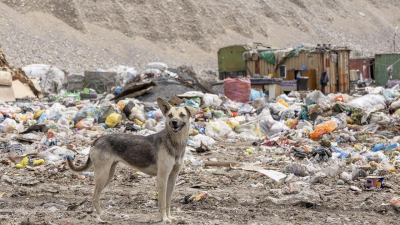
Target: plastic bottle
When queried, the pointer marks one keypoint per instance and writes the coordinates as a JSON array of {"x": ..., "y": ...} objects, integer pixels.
[
  {"x": 42, "y": 118},
  {"x": 378, "y": 147},
  {"x": 343, "y": 154}
]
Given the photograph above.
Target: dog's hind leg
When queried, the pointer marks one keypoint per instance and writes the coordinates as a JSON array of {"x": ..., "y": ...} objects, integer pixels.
[
  {"x": 170, "y": 188},
  {"x": 101, "y": 179},
  {"x": 111, "y": 175}
]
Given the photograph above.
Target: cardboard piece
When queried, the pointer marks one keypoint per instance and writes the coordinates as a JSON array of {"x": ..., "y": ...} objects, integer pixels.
[
  {"x": 21, "y": 90},
  {"x": 7, "y": 94},
  {"x": 135, "y": 90},
  {"x": 5, "y": 78}
]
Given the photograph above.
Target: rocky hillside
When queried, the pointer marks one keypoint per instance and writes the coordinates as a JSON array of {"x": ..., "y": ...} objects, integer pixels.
[{"x": 77, "y": 35}]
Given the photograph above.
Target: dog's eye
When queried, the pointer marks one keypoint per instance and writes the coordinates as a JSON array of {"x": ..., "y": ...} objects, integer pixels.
[
  {"x": 182, "y": 115},
  {"x": 170, "y": 115}
]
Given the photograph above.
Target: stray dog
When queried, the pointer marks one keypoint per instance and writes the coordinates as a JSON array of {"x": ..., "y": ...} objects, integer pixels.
[{"x": 160, "y": 155}]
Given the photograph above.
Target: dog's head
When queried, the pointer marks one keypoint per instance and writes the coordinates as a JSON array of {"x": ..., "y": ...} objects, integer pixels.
[{"x": 177, "y": 117}]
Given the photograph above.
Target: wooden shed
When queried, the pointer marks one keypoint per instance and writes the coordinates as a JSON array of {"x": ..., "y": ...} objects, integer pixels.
[
  {"x": 366, "y": 66},
  {"x": 307, "y": 62}
]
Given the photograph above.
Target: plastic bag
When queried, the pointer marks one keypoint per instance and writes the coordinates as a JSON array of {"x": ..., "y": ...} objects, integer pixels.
[
  {"x": 196, "y": 140},
  {"x": 368, "y": 101},
  {"x": 237, "y": 89},
  {"x": 63, "y": 122},
  {"x": 379, "y": 118},
  {"x": 113, "y": 120},
  {"x": 157, "y": 65},
  {"x": 340, "y": 120},
  {"x": 55, "y": 154},
  {"x": 316, "y": 96},
  {"x": 342, "y": 153},
  {"x": 218, "y": 129},
  {"x": 137, "y": 114},
  {"x": 245, "y": 108},
  {"x": 150, "y": 124},
  {"x": 8, "y": 125},
  {"x": 271, "y": 127},
  {"x": 86, "y": 123},
  {"x": 191, "y": 103},
  {"x": 233, "y": 123},
  {"x": 208, "y": 100},
  {"x": 287, "y": 114},
  {"x": 323, "y": 128},
  {"x": 254, "y": 94},
  {"x": 88, "y": 112},
  {"x": 339, "y": 98}
]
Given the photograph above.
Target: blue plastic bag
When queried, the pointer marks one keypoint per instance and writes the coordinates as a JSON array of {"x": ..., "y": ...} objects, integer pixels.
[
  {"x": 343, "y": 154},
  {"x": 192, "y": 103},
  {"x": 379, "y": 147},
  {"x": 254, "y": 94}
]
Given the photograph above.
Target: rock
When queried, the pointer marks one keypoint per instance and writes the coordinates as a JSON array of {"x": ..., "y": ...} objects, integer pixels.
[{"x": 340, "y": 182}]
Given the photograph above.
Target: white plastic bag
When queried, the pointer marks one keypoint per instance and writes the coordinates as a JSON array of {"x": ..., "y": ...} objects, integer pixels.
[
  {"x": 218, "y": 129},
  {"x": 208, "y": 100},
  {"x": 196, "y": 140},
  {"x": 157, "y": 65},
  {"x": 368, "y": 101}
]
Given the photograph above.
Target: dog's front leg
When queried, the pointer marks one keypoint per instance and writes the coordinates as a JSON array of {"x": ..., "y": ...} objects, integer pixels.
[
  {"x": 170, "y": 188},
  {"x": 162, "y": 179}
]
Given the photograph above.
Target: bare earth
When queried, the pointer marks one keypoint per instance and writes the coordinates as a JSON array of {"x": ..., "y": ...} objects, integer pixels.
[{"x": 130, "y": 198}]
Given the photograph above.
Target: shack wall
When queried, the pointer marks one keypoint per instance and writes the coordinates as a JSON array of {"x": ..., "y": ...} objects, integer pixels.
[{"x": 382, "y": 62}]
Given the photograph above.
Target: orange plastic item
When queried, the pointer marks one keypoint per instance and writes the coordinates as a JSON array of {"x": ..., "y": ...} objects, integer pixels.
[
  {"x": 339, "y": 98},
  {"x": 323, "y": 128},
  {"x": 283, "y": 102},
  {"x": 235, "y": 114},
  {"x": 294, "y": 123},
  {"x": 395, "y": 201},
  {"x": 122, "y": 105}
]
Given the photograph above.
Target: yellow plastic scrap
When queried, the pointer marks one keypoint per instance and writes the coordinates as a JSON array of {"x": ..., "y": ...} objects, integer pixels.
[
  {"x": 283, "y": 102},
  {"x": 233, "y": 123},
  {"x": 258, "y": 132},
  {"x": 38, "y": 162},
  {"x": 23, "y": 163},
  {"x": 358, "y": 147},
  {"x": 250, "y": 151},
  {"x": 113, "y": 120},
  {"x": 38, "y": 114},
  {"x": 138, "y": 122}
]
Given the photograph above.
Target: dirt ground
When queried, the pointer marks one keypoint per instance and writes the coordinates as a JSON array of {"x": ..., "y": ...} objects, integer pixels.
[{"x": 51, "y": 197}]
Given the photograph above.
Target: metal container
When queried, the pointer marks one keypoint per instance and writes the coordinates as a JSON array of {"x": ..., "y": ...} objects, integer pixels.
[{"x": 382, "y": 62}]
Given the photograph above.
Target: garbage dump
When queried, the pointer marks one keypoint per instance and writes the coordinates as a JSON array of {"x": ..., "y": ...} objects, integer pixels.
[{"x": 321, "y": 151}]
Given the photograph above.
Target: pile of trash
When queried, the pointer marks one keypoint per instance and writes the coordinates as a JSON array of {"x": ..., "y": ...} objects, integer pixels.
[{"x": 306, "y": 138}]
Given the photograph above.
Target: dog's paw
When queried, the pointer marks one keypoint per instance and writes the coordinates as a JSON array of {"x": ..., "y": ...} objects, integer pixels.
[
  {"x": 99, "y": 220},
  {"x": 166, "y": 220},
  {"x": 173, "y": 218}
]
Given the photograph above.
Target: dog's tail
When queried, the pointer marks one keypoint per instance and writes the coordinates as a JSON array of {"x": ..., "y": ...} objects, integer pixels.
[{"x": 72, "y": 166}]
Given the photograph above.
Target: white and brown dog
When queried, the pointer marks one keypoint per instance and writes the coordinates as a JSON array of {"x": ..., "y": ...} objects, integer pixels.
[{"x": 160, "y": 155}]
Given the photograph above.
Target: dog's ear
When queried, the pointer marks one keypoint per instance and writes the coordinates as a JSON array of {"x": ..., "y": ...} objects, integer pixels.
[
  {"x": 164, "y": 105},
  {"x": 192, "y": 111}
]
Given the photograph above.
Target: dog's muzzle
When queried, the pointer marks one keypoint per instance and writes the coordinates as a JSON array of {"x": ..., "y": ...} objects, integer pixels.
[{"x": 176, "y": 125}]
